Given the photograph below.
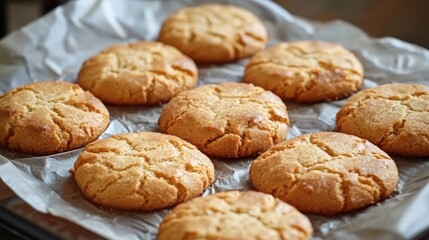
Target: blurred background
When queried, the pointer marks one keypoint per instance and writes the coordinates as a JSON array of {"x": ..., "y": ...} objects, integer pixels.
[
  {"x": 406, "y": 20},
  {"x": 402, "y": 19}
]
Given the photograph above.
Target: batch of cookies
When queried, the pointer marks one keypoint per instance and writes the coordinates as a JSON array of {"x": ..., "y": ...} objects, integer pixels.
[{"x": 321, "y": 173}]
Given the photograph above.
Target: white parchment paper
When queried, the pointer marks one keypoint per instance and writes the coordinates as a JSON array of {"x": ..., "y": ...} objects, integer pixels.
[{"x": 55, "y": 46}]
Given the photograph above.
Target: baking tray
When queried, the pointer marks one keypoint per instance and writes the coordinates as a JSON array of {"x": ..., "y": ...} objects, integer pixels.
[{"x": 54, "y": 47}]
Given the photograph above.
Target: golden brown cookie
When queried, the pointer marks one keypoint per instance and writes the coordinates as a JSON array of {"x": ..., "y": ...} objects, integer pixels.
[
  {"x": 227, "y": 120},
  {"x": 142, "y": 171},
  {"x": 394, "y": 117},
  {"x": 214, "y": 33},
  {"x": 234, "y": 215},
  {"x": 325, "y": 173},
  {"x": 50, "y": 117},
  {"x": 138, "y": 73},
  {"x": 306, "y": 71}
]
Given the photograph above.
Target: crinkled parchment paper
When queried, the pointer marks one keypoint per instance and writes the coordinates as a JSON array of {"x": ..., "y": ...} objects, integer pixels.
[{"x": 55, "y": 46}]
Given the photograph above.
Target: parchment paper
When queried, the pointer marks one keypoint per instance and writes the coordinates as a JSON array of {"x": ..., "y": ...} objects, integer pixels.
[{"x": 55, "y": 46}]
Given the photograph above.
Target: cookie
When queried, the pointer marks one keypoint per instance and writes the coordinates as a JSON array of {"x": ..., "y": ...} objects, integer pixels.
[
  {"x": 234, "y": 215},
  {"x": 214, "y": 33},
  {"x": 227, "y": 120},
  {"x": 138, "y": 73},
  {"x": 306, "y": 71},
  {"x": 394, "y": 117},
  {"x": 325, "y": 173},
  {"x": 142, "y": 171},
  {"x": 50, "y": 117}
]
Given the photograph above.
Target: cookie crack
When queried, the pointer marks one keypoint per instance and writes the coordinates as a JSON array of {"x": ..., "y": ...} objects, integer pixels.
[
  {"x": 9, "y": 135},
  {"x": 94, "y": 82},
  {"x": 217, "y": 35},
  {"x": 184, "y": 71},
  {"x": 261, "y": 221},
  {"x": 171, "y": 122},
  {"x": 344, "y": 188},
  {"x": 88, "y": 183},
  {"x": 12, "y": 127},
  {"x": 276, "y": 118},
  {"x": 323, "y": 147},
  {"x": 126, "y": 141},
  {"x": 25, "y": 88},
  {"x": 68, "y": 137},
  {"x": 136, "y": 152},
  {"x": 148, "y": 165},
  {"x": 82, "y": 126},
  {"x": 109, "y": 184},
  {"x": 239, "y": 47},
  {"x": 332, "y": 153},
  {"x": 394, "y": 99},
  {"x": 243, "y": 138},
  {"x": 188, "y": 107},
  {"x": 182, "y": 193},
  {"x": 149, "y": 91},
  {"x": 270, "y": 110},
  {"x": 349, "y": 111},
  {"x": 217, "y": 92},
  {"x": 192, "y": 37},
  {"x": 331, "y": 68},
  {"x": 324, "y": 65},
  {"x": 242, "y": 135},
  {"x": 122, "y": 66},
  {"x": 290, "y": 49},
  {"x": 254, "y": 36},
  {"x": 64, "y": 98},
  {"x": 375, "y": 179},
  {"x": 394, "y": 131},
  {"x": 165, "y": 75},
  {"x": 202, "y": 172},
  {"x": 320, "y": 161},
  {"x": 104, "y": 150},
  {"x": 286, "y": 187},
  {"x": 178, "y": 146},
  {"x": 81, "y": 106},
  {"x": 265, "y": 224},
  {"x": 108, "y": 165},
  {"x": 374, "y": 195},
  {"x": 277, "y": 64},
  {"x": 119, "y": 197},
  {"x": 140, "y": 186},
  {"x": 93, "y": 178},
  {"x": 216, "y": 138},
  {"x": 275, "y": 149}
]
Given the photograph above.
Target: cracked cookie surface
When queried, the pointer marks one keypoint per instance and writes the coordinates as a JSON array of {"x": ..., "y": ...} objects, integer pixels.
[
  {"x": 306, "y": 71},
  {"x": 50, "y": 117},
  {"x": 394, "y": 117},
  {"x": 214, "y": 33},
  {"x": 227, "y": 120},
  {"x": 235, "y": 215},
  {"x": 138, "y": 73},
  {"x": 325, "y": 173},
  {"x": 142, "y": 171}
]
